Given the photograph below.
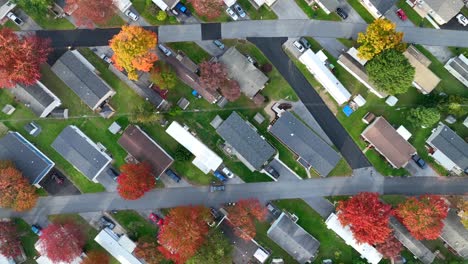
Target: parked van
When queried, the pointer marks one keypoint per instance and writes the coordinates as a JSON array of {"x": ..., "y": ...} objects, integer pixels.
[{"x": 173, "y": 175}]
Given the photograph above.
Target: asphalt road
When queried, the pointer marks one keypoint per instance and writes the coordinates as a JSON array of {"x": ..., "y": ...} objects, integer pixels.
[
  {"x": 173, "y": 197},
  {"x": 273, "y": 50},
  {"x": 255, "y": 28}
]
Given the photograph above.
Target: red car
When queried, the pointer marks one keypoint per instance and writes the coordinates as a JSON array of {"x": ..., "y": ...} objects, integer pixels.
[
  {"x": 401, "y": 14},
  {"x": 156, "y": 219}
]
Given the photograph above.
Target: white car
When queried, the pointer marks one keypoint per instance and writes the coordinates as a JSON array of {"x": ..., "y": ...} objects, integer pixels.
[
  {"x": 15, "y": 19},
  {"x": 299, "y": 46},
  {"x": 231, "y": 13},
  {"x": 462, "y": 20},
  {"x": 228, "y": 172},
  {"x": 106, "y": 58},
  {"x": 131, "y": 15}
]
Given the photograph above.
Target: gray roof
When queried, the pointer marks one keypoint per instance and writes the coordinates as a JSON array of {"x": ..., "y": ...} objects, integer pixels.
[
  {"x": 455, "y": 234},
  {"x": 245, "y": 140},
  {"x": 27, "y": 158},
  {"x": 415, "y": 246},
  {"x": 73, "y": 69},
  {"x": 331, "y": 5},
  {"x": 459, "y": 66},
  {"x": 35, "y": 96},
  {"x": 451, "y": 144},
  {"x": 305, "y": 143},
  {"x": 383, "y": 5},
  {"x": 445, "y": 8},
  {"x": 294, "y": 239},
  {"x": 251, "y": 80},
  {"x": 81, "y": 152}
]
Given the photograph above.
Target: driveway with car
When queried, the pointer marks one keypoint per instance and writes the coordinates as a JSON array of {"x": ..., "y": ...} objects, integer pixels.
[{"x": 55, "y": 183}]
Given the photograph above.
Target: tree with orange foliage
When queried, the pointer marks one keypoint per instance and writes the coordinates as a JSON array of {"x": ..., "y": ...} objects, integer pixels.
[
  {"x": 15, "y": 191},
  {"x": 135, "y": 180},
  {"x": 148, "y": 250},
  {"x": 21, "y": 58},
  {"x": 88, "y": 12},
  {"x": 96, "y": 257},
  {"x": 242, "y": 217},
  {"x": 134, "y": 50},
  {"x": 207, "y": 8},
  {"x": 367, "y": 217},
  {"x": 184, "y": 230},
  {"x": 423, "y": 216}
]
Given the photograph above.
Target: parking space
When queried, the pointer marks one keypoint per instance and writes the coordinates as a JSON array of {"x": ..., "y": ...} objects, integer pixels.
[
  {"x": 95, "y": 220},
  {"x": 288, "y": 45},
  {"x": 55, "y": 183},
  {"x": 286, "y": 174},
  {"x": 28, "y": 23},
  {"x": 392, "y": 16},
  {"x": 453, "y": 24},
  {"x": 417, "y": 171},
  {"x": 108, "y": 179}
]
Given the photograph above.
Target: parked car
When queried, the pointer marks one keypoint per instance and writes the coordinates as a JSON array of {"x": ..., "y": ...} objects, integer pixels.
[
  {"x": 401, "y": 14},
  {"x": 165, "y": 50},
  {"x": 215, "y": 213},
  {"x": 220, "y": 176},
  {"x": 114, "y": 173},
  {"x": 341, "y": 13},
  {"x": 231, "y": 13},
  {"x": 239, "y": 10},
  {"x": 299, "y": 46},
  {"x": 104, "y": 222},
  {"x": 58, "y": 179},
  {"x": 218, "y": 44},
  {"x": 228, "y": 172},
  {"x": 36, "y": 229},
  {"x": 182, "y": 9},
  {"x": 173, "y": 175},
  {"x": 462, "y": 20},
  {"x": 272, "y": 172},
  {"x": 132, "y": 15},
  {"x": 420, "y": 162},
  {"x": 106, "y": 58},
  {"x": 15, "y": 19},
  {"x": 305, "y": 43},
  {"x": 156, "y": 219},
  {"x": 250, "y": 59},
  {"x": 217, "y": 187}
]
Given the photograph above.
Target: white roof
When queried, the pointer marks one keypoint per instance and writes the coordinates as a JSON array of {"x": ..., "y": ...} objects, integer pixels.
[
  {"x": 367, "y": 251},
  {"x": 108, "y": 240},
  {"x": 466, "y": 122},
  {"x": 404, "y": 132},
  {"x": 391, "y": 100},
  {"x": 354, "y": 53},
  {"x": 205, "y": 159},
  {"x": 45, "y": 260},
  {"x": 122, "y": 5},
  {"x": 261, "y": 255},
  {"x": 160, "y": 3},
  {"x": 5, "y": 8},
  {"x": 443, "y": 160},
  {"x": 259, "y": 2},
  {"x": 359, "y": 100},
  {"x": 228, "y": 2},
  {"x": 127, "y": 243},
  {"x": 325, "y": 77},
  {"x": 322, "y": 56},
  {"x": 5, "y": 260},
  {"x": 115, "y": 128}
]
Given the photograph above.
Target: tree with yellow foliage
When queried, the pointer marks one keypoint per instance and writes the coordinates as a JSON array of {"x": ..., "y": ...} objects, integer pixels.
[
  {"x": 463, "y": 212},
  {"x": 134, "y": 50},
  {"x": 380, "y": 35}
]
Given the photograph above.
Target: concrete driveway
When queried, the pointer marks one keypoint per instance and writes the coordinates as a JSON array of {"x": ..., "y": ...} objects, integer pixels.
[
  {"x": 417, "y": 171},
  {"x": 288, "y": 9},
  {"x": 29, "y": 24}
]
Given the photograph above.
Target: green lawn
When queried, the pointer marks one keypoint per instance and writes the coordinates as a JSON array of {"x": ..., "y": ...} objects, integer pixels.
[
  {"x": 413, "y": 16},
  {"x": 192, "y": 50},
  {"x": 316, "y": 13},
  {"x": 47, "y": 20},
  {"x": 458, "y": 51},
  {"x": 136, "y": 225},
  {"x": 148, "y": 10},
  {"x": 28, "y": 239},
  {"x": 349, "y": 43},
  {"x": 257, "y": 14},
  {"x": 361, "y": 10},
  {"x": 114, "y": 21},
  {"x": 341, "y": 169},
  {"x": 10, "y": 24}
]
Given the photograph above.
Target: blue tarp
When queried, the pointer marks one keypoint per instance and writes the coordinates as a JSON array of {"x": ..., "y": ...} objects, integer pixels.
[
  {"x": 194, "y": 93},
  {"x": 347, "y": 110}
]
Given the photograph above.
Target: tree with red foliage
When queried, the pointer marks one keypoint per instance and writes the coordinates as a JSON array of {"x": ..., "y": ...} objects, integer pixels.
[
  {"x": 242, "y": 217},
  {"x": 183, "y": 232},
  {"x": 21, "y": 58},
  {"x": 15, "y": 190},
  {"x": 267, "y": 68},
  {"x": 88, "y": 12},
  {"x": 423, "y": 217},
  {"x": 390, "y": 248},
  {"x": 367, "y": 217},
  {"x": 212, "y": 75},
  {"x": 96, "y": 257},
  {"x": 10, "y": 244},
  {"x": 135, "y": 180},
  {"x": 230, "y": 89},
  {"x": 207, "y": 8},
  {"x": 62, "y": 242},
  {"x": 148, "y": 250}
]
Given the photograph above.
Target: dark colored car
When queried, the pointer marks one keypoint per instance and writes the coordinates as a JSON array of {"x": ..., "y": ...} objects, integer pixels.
[
  {"x": 217, "y": 187},
  {"x": 36, "y": 230},
  {"x": 304, "y": 43},
  {"x": 220, "y": 176},
  {"x": 215, "y": 213},
  {"x": 421, "y": 163},
  {"x": 173, "y": 175},
  {"x": 272, "y": 172},
  {"x": 113, "y": 173},
  {"x": 341, "y": 13},
  {"x": 104, "y": 221},
  {"x": 183, "y": 9},
  {"x": 156, "y": 219}
]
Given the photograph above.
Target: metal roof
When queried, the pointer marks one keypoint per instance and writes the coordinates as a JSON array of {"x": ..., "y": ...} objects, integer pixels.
[
  {"x": 450, "y": 144},
  {"x": 37, "y": 97}
]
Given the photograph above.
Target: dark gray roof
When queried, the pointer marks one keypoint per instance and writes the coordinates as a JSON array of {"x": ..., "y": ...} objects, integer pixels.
[
  {"x": 305, "y": 143},
  {"x": 80, "y": 78},
  {"x": 294, "y": 239},
  {"x": 27, "y": 158},
  {"x": 60, "y": 3},
  {"x": 37, "y": 98},
  {"x": 455, "y": 234},
  {"x": 413, "y": 245},
  {"x": 81, "y": 152},
  {"x": 383, "y": 5},
  {"x": 245, "y": 140},
  {"x": 451, "y": 144}
]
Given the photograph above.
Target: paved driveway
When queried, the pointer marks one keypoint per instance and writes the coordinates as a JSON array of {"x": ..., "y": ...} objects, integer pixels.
[
  {"x": 29, "y": 24},
  {"x": 53, "y": 188},
  {"x": 288, "y": 9},
  {"x": 415, "y": 170},
  {"x": 453, "y": 24}
]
